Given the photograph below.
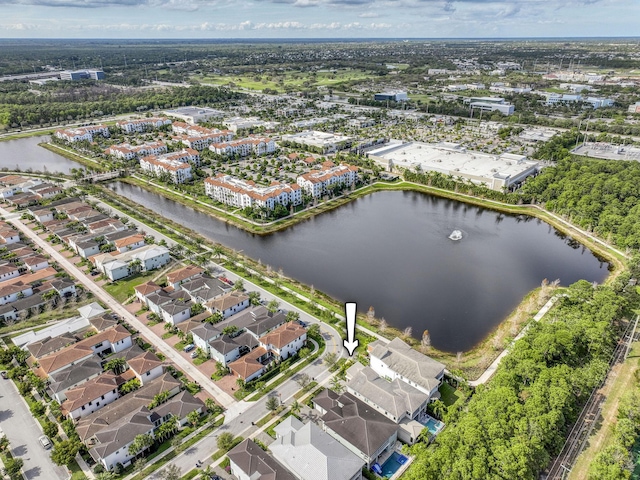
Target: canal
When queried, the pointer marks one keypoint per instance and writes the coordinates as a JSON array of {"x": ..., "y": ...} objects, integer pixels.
[
  {"x": 24, "y": 154},
  {"x": 391, "y": 250}
]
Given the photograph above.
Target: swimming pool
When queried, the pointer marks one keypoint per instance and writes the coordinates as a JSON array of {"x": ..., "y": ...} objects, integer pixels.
[
  {"x": 393, "y": 464},
  {"x": 433, "y": 425}
]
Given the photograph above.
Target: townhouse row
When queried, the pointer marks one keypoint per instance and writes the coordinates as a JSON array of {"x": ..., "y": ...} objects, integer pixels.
[
  {"x": 257, "y": 338},
  {"x": 23, "y": 191},
  {"x": 110, "y": 387}
]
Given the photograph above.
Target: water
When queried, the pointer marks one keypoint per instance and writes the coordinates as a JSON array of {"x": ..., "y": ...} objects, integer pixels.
[
  {"x": 393, "y": 464},
  {"x": 25, "y": 153},
  {"x": 433, "y": 425},
  {"x": 391, "y": 250}
]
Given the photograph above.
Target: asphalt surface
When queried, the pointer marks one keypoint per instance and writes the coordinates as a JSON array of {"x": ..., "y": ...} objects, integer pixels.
[{"x": 23, "y": 432}]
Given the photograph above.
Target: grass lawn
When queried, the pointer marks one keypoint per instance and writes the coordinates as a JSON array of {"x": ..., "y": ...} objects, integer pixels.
[
  {"x": 123, "y": 289},
  {"x": 449, "y": 394},
  {"x": 621, "y": 380},
  {"x": 76, "y": 472}
]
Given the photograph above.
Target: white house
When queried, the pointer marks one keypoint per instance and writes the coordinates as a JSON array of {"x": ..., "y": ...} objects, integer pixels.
[
  {"x": 317, "y": 182},
  {"x": 8, "y": 271},
  {"x": 228, "y": 304},
  {"x": 176, "y": 311},
  {"x": 91, "y": 396}
]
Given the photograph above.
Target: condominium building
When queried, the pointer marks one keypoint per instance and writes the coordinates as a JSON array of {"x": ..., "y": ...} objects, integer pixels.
[
  {"x": 317, "y": 182},
  {"x": 240, "y": 193},
  {"x": 82, "y": 133},
  {"x": 245, "y": 146},
  {"x": 176, "y": 164},
  {"x": 199, "y": 138},
  {"x": 143, "y": 125},
  {"x": 126, "y": 151}
]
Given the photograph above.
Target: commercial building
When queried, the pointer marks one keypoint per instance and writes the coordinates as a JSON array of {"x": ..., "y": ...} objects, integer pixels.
[
  {"x": 394, "y": 96},
  {"x": 595, "y": 102},
  {"x": 241, "y": 193},
  {"x": 143, "y": 125},
  {"x": 239, "y": 123},
  {"x": 490, "y": 104},
  {"x": 318, "y": 182},
  {"x": 176, "y": 164},
  {"x": 495, "y": 171},
  {"x": 195, "y": 115},
  {"x": 75, "y": 75},
  {"x": 322, "y": 142}
]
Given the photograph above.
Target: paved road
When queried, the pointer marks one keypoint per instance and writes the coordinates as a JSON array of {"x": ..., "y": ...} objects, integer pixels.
[{"x": 23, "y": 432}]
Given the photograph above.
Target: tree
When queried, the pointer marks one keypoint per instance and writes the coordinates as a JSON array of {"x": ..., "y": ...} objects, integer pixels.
[
  {"x": 130, "y": 386},
  {"x": 241, "y": 383},
  {"x": 336, "y": 384},
  {"x": 50, "y": 429},
  {"x": 273, "y": 306},
  {"x": 303, "y": 380},
  {"x": 225, "y": 441},
  {"x": 116, "y": 365},
  {"x": 4, "y": 444},
  {"x": 193, "y": 417},
  {"x": 159, "y": 399},
  {"x": 314, "y": 330},
  {"x": 254, "y": 298},
  {"x": 292, "y": 316},
  {"x": 106, "y": 476},
  {"x": 140, "y": 443},
  {"x": 139, "y": 464},
  {"x": 216, "y": 317},
  {"x": 64, "y": 452},
  {"x": 330, "y": 359},
  {"x": 238, "y": 286},
  {"x": 217, "y": 251},
  {"x": 272, "y": 403},
  {"x": 210, "y": 404},
  {"x": 295, "y": 408},
  {"x": 171, "y": 472},
  {"x": 230, "y": 330},
  {"x": 12, "y": 467},
  {"x": 167, "y": 429}
]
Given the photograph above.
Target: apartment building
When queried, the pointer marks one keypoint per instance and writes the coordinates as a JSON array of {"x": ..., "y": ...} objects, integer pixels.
[
  {"x": 240, "y": 193},
  {"x": 176, "y": 164},
  {"x": 317, "y": 182},
  {"x": 244, "y": 146},
  {"x": 143, "y": 125},
  {"x": 82, "y": 133},
  {"x": 126, "y": 151}
]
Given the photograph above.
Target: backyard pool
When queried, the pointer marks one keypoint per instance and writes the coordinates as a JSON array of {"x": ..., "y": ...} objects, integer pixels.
[
  {"x": 432, "y": 424},
  {"x": 393, "y": 464}
]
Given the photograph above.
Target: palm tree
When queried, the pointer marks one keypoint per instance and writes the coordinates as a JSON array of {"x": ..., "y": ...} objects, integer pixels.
[
  {"x": 273, "y": 306},
  {"x": 217, "y": 251},
  {"x": 254, "y": 298},
  {"x": 295, "y": 408},
  {"x": 135, "y": 266},
  {"x": 116, "y": 365}
]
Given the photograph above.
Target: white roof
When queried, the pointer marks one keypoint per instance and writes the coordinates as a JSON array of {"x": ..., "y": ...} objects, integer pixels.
[{"x": 313, "y": 454}]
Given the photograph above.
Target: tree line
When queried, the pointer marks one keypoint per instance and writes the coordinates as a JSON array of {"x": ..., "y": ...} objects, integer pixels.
[{"x": 515, "y": 424}]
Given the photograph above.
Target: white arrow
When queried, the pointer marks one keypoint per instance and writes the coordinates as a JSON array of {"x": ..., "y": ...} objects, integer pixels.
[{"x": 350, "y": 343}]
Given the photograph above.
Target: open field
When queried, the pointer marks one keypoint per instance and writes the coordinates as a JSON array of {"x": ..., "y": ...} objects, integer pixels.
[{"x": 295, "y": 80}]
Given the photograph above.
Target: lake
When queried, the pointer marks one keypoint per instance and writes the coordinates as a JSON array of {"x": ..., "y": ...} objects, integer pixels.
[
  {"x": 24, "y": 153},
  {"x": 391, "y": 250}
]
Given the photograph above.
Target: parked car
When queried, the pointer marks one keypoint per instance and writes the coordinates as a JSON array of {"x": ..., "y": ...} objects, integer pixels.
[
  {"x": 194, "y": 354},
  {"x": 3, "y": 374},
  {"x": 302, "y": 324},
  {"x": 189, "y": 347},
  {"x": 45, "y": 442}
]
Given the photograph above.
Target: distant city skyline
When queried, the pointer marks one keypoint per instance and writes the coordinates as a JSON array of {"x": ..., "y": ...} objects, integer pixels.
[{"x": 224, "y": 19}]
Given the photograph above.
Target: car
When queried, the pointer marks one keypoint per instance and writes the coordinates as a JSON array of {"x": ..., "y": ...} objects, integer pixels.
[
  {"x": 194, "y": 354},
  {"x": 302, "y": 324},
  {"x": 94, "y": 273},
  {"x": 3, "y": 374},
  {"x": 189, "y": 347},
  {"x": 45, "y": 442}
]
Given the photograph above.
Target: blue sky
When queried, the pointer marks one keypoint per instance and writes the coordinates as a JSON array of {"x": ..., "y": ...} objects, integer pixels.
[{"x": 317, "y": 18}]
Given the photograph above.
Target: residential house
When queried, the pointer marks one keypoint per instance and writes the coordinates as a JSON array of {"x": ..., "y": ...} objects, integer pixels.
[
  {"x": 227, "y": 349},
  {"x": 91, "y": 395},
  {"x": 285, "y": 340},
  {"x": 146, "y": 289},
  {"x": 249, "y": 462},
  {"x": 182, "y": 275},
  {"x": 8, "y": 270},
  {"x": 397, "y": 360},
  {"x": 309, "y": 453},
  {"x": 130, "y": 243},
  {"x": 176, "y": 311},
  {"x": 228, "y": 304},
  {"x": 356, "y": 425},
  {"x": 63, "y": 380},
  {"x": 35, "y": 263},
  {"x": 252, "y": 365},
  {"x": 146, "y": 367}
]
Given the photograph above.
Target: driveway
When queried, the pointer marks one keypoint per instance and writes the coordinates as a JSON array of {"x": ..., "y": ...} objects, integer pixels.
[{"x": 23, "y": 432}]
